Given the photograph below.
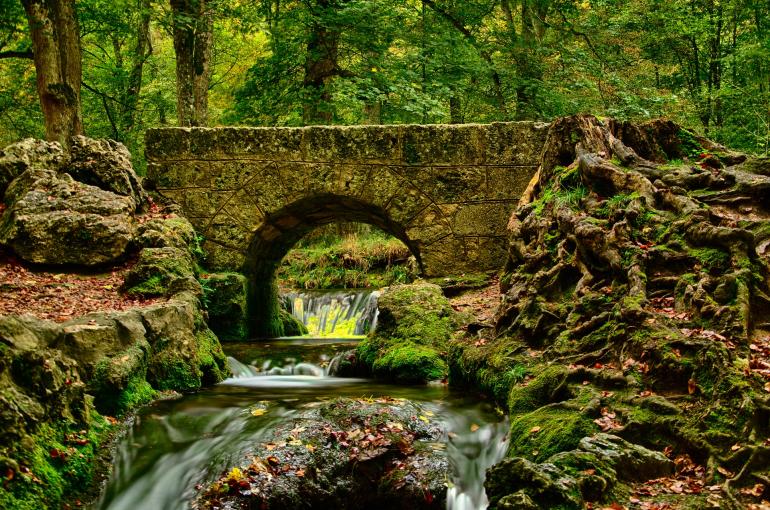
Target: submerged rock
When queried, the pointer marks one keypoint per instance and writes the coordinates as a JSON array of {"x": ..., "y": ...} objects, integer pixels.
[{"x": 343, "y": 454}]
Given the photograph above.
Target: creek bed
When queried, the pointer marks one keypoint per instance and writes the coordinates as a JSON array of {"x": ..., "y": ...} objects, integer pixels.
[{"x": 174, "y": 445}]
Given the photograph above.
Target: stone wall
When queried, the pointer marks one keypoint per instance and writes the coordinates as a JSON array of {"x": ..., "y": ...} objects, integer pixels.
[{"x": 446, "y": 191}]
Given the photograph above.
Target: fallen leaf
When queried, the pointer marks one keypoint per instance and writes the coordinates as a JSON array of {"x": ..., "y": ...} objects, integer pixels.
[{"x": 534, "y": 430}]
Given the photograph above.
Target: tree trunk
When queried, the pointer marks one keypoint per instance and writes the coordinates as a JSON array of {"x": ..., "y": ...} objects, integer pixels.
[
  {"x": 56, "y": 43},
  {"x": 142, "y": 51},
  {"x": 320, "y": 68},
  {"x": 193, "y": 37}
]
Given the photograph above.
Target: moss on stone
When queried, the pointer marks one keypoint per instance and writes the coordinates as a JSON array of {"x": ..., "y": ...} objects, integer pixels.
[
  {"x": 119, "y": 383},
  {"x": 157, "y": 270},
  {"x": 291, "y": 326},
  {"x": 543, "y": 389},
  {"x": 410, "y": 363},
  {"x": 412, "y": 334},
  {"x": 224, "y": 295},
  {"x": 547, "y": 431},
  {"x": 60, "y": 460}
]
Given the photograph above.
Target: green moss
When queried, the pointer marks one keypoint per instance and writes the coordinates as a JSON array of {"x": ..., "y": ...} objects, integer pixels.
[
  {"x": 156, "y": 270},
  {"x": 291, "y": 326},
  {"x": 119, "y": 383},
  {"x": 410, "y": 363},
  {"x": 547, "y": 431},
  {"x": 493, "y": 368},
  {"x": 712, "y": 258},
  {"x": 61, "y": 459},
  {"x": 224, "y": 296},
  {"x": 211, "y": 359},
  {"x": 540, "y": 391}
]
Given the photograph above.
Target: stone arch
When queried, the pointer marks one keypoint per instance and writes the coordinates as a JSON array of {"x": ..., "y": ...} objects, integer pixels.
[{"x": 281, "y": 230}]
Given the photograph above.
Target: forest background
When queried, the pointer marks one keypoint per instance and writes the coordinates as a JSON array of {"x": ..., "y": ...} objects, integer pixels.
[{"x": 146, "y": 63}]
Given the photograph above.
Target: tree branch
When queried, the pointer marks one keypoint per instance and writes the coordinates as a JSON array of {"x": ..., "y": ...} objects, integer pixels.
[{"x": 17, "y": 54}]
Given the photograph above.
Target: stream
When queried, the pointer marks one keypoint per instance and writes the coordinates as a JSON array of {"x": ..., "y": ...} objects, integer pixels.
[{"x": 172, "y": 445}]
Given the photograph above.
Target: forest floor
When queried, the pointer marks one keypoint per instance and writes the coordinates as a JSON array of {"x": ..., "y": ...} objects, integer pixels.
[{"x": 60, "y": 296}]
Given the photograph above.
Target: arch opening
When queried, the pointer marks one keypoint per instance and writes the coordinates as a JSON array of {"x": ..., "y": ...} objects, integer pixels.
[{"x": 283, "y": 229}]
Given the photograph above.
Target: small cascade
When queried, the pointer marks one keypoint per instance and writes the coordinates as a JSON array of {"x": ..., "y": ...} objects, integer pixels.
[
  {"x": 472, "y": 450},
  {"x": 339, "y": 314}
]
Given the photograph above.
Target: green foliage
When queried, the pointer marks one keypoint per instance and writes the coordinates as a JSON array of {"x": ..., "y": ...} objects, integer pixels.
[{"x": 356, "y": 260}]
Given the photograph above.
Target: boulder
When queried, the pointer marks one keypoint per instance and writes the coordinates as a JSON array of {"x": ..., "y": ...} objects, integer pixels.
[
  {"x": 57, "y": 220},
  {"x": 19, "y": 157},
  {"x": 343, "y": 454},
  {"x": 105, "y": 164},
  {"x": 172, "y": 232},
  {"x": 569, "y": 479},
  {"x": 161, "y": 272},
  {"x": 413, "y": 331}
]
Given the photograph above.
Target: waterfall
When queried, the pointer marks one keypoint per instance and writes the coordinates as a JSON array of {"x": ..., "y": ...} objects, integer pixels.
[{"x": 339, "y": 313}]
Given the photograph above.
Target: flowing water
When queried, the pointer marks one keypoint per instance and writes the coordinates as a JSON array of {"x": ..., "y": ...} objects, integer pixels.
[
  {"x": 334, "y": 313},
  {"x": 173, "y": 445}
]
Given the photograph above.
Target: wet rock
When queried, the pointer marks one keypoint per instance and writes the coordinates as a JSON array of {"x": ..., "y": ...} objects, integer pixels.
[
  {"x": 105, "y": 164},
  {"x": 413, "y": 331},
  {"x": 57, "y": 220},
  {"x": 225, "y": 298},
  {"x": 345, "y": 454}
]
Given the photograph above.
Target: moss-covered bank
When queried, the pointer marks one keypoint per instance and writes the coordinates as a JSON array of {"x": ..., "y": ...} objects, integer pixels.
[{"x": 635, "y": 303}]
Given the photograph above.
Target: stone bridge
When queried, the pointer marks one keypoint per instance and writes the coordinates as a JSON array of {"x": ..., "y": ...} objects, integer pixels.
[{"x": 446, "y": 191}]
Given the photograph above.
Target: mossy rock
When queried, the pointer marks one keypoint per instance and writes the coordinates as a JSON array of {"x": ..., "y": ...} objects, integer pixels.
[
  {"x": 291, "y": 326},
  {"x": 412, "y": 336},
  {"x": 119, "y": 383},
  {"x": 160, "y": 272},
  {"x": 548, "y": 386},
  {"x": 64, "y": 459},
  {"x": 410, "y": 363},
  {"x": 174, "y": 232},
  {"x": 547, "y": 431},
  {"x": 225, "y": 297}
]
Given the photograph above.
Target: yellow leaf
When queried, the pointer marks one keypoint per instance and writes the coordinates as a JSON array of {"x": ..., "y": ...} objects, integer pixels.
[
  {"x": 295, "y": 442},
  {"x": 423, "y": 418},
  {"x": 258, "y": 412},
  {"x": 235, "y": 474},
  {"x": 310, "y": 448},
  {"x": 474, "y": 427}
]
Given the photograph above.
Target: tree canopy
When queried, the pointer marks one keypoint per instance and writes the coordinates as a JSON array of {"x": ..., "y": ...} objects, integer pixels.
[{"x": 703, "y": 63}]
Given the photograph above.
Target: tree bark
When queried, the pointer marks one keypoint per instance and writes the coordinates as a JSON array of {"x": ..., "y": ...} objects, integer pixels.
[
  {"x": 320, "y": 68},
  {"x": 56, "y": 43},
  {"x": 193, "y": 38},
  {"x": 142, "y": 51}
]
